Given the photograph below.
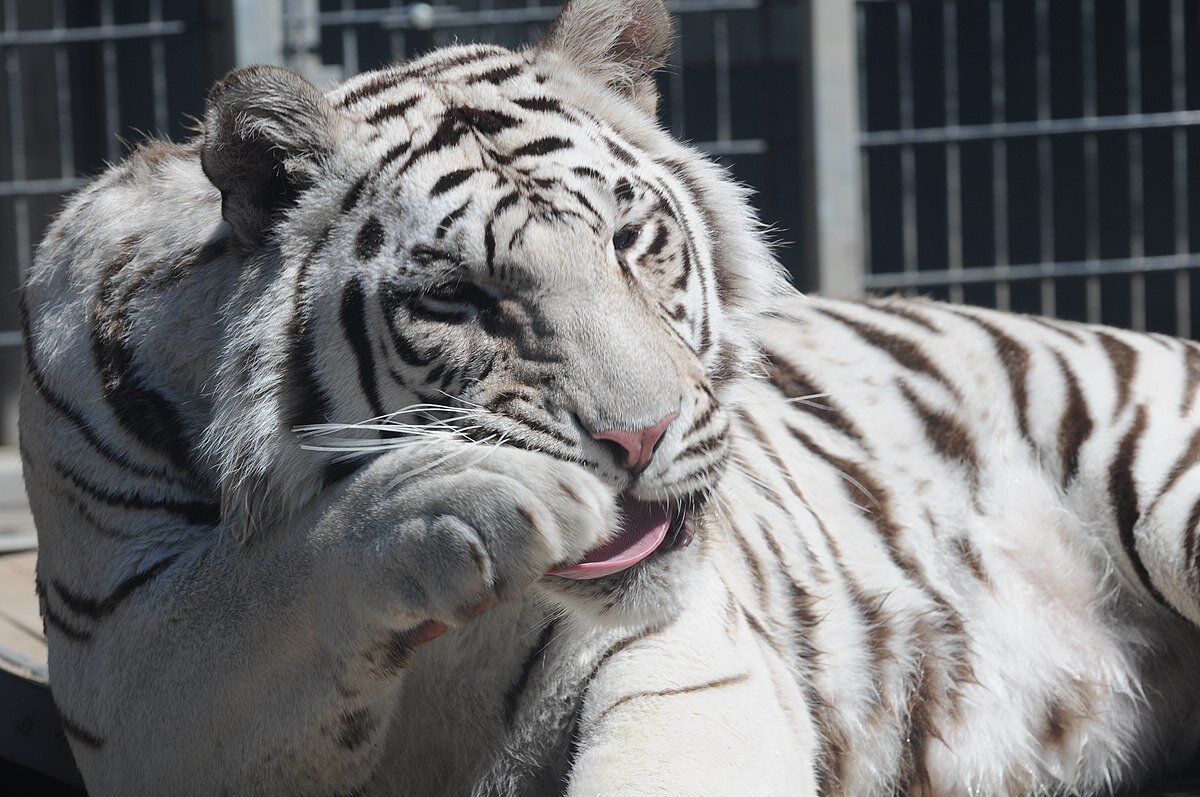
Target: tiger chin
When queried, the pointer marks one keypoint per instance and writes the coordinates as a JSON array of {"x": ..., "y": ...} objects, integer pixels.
[{"x": 454, "y": 431}]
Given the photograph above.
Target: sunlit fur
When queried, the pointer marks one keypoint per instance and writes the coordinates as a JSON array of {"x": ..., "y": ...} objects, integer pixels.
[{"x": 306, "y": 388}]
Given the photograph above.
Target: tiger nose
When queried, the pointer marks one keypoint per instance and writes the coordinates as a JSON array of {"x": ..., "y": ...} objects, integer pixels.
[{"x": 638, "y": 445}]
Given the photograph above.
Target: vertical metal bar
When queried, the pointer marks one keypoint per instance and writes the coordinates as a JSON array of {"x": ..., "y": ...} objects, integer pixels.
[
  {"x": 954, "y": 246},
  {"x": 1179, "y": 163},
  {"x": 720, "y": 24},
  {"x": 675, "y": 81},
  {"x": 158, "y": 72},
  {"x": 258, "y": 32},
  {"x": 1045, "y": 161},
  {"x": 17, "y": 144},
  {"x": 1133, "y": 82},
  {"x": 1091, "y": 160},
  {"x": 834, "y": 185},
  {"x": 397, "y": 40},
  {"x": 112, "y": 99},
  {"x": 864, "y": 157},
  {"x": 999, "y": 152},
  {"x": 349, "y": 44},
  {"x": 908, "y": 158},
  {"x": 62, "y": 95}
]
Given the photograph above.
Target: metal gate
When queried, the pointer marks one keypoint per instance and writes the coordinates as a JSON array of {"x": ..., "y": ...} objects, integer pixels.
[{"x": 1034, "y": 155}]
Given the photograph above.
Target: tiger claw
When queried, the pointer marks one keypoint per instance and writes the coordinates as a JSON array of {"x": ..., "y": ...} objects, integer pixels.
[{"x": 427, "y": 632}]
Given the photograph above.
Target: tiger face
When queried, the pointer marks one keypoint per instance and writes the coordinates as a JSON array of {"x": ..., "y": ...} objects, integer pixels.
[{"x": 496, "y": 246}]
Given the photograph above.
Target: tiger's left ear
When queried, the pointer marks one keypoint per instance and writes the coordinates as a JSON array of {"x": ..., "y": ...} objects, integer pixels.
[
  {"x": 622, "y": 42},
  {"x": 265, "y": 129}
]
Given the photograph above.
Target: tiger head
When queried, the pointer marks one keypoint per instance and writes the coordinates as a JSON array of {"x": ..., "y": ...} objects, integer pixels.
[{"x": 502, "y": 244}]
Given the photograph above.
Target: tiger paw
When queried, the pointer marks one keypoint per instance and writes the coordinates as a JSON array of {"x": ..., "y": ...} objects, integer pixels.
[{"x": 441, "y": 536}]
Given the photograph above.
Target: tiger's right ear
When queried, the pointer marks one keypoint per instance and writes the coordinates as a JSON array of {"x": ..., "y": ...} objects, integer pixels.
[{"x": 265, "y": 129}]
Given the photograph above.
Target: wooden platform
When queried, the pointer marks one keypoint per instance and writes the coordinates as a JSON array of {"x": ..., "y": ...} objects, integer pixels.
[{"x": 22, "y": 644}]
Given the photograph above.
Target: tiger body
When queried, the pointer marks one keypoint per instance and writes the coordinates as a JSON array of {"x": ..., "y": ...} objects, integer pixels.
[{"x": 936, "y": 550}]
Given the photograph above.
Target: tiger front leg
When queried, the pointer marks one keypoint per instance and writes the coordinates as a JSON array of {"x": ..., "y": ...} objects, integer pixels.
[
  {"x": 411, "y": 558},
  {"x": 294, "y": 645}
]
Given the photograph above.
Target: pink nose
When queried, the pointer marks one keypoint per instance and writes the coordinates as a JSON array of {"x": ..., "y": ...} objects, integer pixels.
[{"x": 638, "y": 444}]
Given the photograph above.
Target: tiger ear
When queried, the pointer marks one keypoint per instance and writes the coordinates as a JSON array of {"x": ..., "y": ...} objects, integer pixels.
[
  {"x": 623, "y": 42},
  {"x": 265, "y": 128}
]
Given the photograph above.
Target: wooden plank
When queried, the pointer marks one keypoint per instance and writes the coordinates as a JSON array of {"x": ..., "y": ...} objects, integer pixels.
[{"x": 22, "y": 643}]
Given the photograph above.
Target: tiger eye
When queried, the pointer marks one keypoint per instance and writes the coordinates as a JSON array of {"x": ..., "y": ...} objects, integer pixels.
[{"x": 625, "y": 237}]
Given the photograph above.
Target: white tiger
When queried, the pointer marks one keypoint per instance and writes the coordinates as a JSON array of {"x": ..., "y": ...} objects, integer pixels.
[{"x": 306, "y": 396}]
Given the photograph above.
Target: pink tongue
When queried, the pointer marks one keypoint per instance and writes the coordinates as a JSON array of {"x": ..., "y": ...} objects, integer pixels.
[{"x": 643, "y": 528}]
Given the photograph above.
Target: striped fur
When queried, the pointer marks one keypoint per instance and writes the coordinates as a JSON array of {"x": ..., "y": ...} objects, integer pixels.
[{"x": 309, "y": 411}]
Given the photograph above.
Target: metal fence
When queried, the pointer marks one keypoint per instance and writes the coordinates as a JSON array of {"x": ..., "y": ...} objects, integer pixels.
[
  {"x": 1034, "y": 155},
  {"x": 81, "y": 78}
]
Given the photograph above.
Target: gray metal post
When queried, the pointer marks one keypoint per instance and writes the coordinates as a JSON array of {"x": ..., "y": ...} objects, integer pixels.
[
  {"x": 833, "y": 179},
  {"x": 257, "y": 32}
]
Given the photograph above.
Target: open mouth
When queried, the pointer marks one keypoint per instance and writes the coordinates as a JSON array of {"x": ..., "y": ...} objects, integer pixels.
[{"x": 646, "y": 527}]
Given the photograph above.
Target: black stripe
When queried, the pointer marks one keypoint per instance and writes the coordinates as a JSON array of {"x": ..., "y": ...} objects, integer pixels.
[
  {"x": 1191, "y": 366},
  {"x": 77, "y": 731},
  {"x": 393, "y": 154},
  {"x": 533, "y": 425},
  {"x": 588, "y": 171},
  {"x": 1015, "y": 359},
  {"x": 949, "y": 438},
  {"x": 448, "y": 133},
  {"x": 357, "y": 727},
  {"x": 950, "y": 625},
  {"x": 354, "y": 194},
  {"x": 894, "y": 307},
  {"x": 659, "y": 241},
  {"x": 1184, "y": 463},
  {"x": 354, "y": 325},
  {"x": 583, "y": 200},
  {"x": 717, "y": 683},
  {"x": 448, "y": 181},
  {"x": 96, "y": 608},
  {"x": 440, "y": 61},
  {"x": 539, "y": 104},
  {"x": 449, "y": 219},
  {"x": 829, "y": 762},
  {"x": 393, "y": 110},
  {"x": 586, "y": 685},
  {"x": 904, "y": 351},
  {"x": 1124, "y": 359},
  {"x": 309, "y": 403},
  {"x": 55, "y": 621},
  {"x": 497, "y": 75},
  {"x": 1122, "y": 490},
  {"x": 370, "y": 239},
  {"x": 512, "y": 698},
  {"x": 1075, "y": 425},
  {"x": 1191, "y": 543},
  {"x": 486, "y": 121},
  {"x": 623, "y": 190},
  {"x": 376, "y": 85},
  {"x": 391, "y": 300},
  {"x": 619, "y": 152},
  {"x": 63, "y": 408},
  {"x": 194, "y": 512},
  {"x": 489, "y": 235},
  {"x": 795, "y": 384},
  {"x": 542, "y": 146},
  {"x": 148, "y": 415}
]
